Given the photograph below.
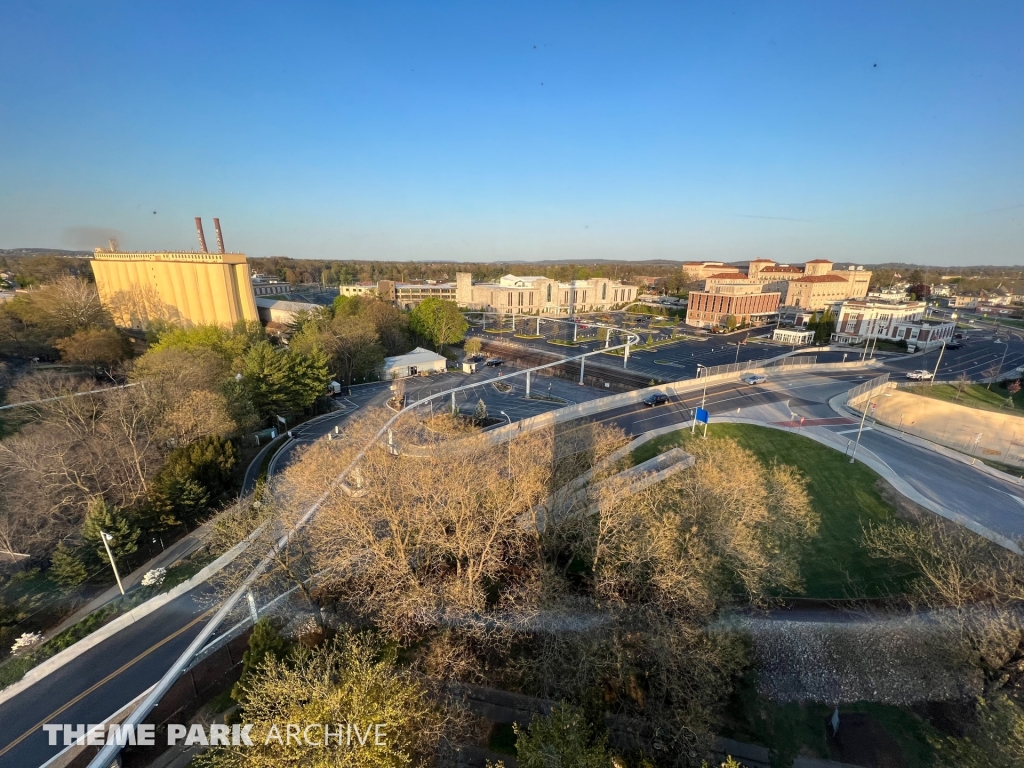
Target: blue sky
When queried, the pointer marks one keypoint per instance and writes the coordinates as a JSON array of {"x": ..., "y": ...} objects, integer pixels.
[{"x": 511, "y": 130}]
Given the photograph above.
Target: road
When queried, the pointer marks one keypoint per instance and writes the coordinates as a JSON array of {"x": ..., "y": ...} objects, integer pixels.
[
  {"x": 99, "y": 682},
  {"x": 994, "y": 503}
]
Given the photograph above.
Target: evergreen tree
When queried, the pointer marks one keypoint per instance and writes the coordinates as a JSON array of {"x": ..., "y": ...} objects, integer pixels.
[
  {"x": 66, "y": 568},
  {"x": 480, "y": 414},
  {"x": 208, "y": 461},
  {"x": 115, "y": 521}
]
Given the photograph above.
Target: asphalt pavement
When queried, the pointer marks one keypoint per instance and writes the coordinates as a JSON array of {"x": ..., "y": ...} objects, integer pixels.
[{"x": 98, "y": 683}]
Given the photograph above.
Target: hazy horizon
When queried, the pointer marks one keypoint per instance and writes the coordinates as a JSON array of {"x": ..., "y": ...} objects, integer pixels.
[{"x": 865, "y": 134}]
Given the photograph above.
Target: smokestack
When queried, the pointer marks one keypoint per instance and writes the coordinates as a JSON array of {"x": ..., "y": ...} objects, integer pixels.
[
  {"x": 220, "y": 237},
  {"x": 202, "y": 238}
]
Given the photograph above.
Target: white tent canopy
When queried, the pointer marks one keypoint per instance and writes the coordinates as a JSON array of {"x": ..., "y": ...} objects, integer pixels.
[{"x": 418, "y": 361}]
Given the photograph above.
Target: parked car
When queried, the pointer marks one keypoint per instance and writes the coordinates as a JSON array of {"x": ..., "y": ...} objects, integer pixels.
[
  {"x": 755, "y": 378},
  {"x": 656, "y": 399},
  {"x": 921, "y": 375},
  {"x": 494, "y": 362}
]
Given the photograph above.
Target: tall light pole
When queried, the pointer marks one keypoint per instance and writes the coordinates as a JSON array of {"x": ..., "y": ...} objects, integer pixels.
[
  {"x": 509, "y": 444},
  {"x": 936, "y": 371},
  {"x": 1006, "y": 348},
  {"x": 737, "y": 352},
  {"x": 703, "y": 396},
  {"x": 107, "y": 538},
  {"x": 864, "y": 416}
]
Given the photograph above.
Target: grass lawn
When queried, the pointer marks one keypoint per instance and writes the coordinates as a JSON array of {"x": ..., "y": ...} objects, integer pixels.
[
  {"x": 975, "y": 396},
  {"x": 835, "y": 564},
  {"x": 562, "y": 343}
]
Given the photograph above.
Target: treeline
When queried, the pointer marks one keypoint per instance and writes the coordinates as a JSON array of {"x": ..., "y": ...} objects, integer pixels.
[
  {"x": 29, "y": 271},
  {"x": 62, "y": 318},
  {"x": 149, "y": 458},
  {"x": 346, "y": 272}
]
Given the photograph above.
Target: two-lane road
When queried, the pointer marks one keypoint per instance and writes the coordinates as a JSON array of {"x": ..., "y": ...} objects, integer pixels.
[{"x": 96, "y": 684}]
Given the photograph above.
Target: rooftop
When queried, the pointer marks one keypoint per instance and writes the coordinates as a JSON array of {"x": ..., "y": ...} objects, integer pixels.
[
  {"x": 820, "y": 279},
  {"x": 417, "y": 357}
]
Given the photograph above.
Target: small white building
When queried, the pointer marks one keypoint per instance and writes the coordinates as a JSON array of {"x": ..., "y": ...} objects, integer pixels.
[
  {"x": 416, "y": 363},
  {"x": 792, "y": 336}
]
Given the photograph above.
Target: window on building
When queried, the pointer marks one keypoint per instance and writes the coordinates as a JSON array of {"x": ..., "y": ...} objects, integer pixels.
[
  {"x": 549, "y": 293},
  {"x": 604, "y": 291}
]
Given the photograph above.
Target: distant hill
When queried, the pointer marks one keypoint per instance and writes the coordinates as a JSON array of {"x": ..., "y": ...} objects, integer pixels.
[{"x": 44, "y": 252}]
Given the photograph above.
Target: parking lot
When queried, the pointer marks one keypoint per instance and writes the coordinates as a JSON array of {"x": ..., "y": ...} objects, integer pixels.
[
  {"x": 675, "y": 359},
  {"x": 514, "y": 402}
]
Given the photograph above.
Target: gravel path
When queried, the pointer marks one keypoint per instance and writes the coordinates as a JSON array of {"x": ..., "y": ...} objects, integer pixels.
[{"x": 897, "y": 661}]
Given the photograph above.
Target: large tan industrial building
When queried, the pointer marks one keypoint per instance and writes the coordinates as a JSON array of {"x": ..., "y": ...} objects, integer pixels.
[{"x": 182, "y": 287}]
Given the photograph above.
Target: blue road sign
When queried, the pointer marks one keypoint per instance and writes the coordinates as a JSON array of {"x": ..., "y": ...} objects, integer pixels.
[{"x": 702, "y": 416}]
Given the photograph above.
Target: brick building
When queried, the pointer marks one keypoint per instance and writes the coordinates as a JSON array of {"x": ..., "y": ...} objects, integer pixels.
[{"x": 746, "y": 303}]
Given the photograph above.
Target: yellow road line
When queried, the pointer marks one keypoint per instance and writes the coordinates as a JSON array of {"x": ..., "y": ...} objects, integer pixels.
[{"x": 102, "y": 682}]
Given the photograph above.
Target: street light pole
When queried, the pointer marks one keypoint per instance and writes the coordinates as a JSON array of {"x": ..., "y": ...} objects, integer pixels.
[
  {"x": 1006, "y": 348},
  {"x": 703, "y": 396},
  {"x": 106, "y": 538},
  {"x": 509, "y": 444},
  {"x": 860, "y": 429},
  {"x": 737, "y": 352},
  {"x": 936, "y": 372}
]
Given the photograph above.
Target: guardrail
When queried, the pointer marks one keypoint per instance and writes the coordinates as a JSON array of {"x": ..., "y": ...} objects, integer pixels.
[
  {"x": 750, "y": 365},
  {"x": 591, "y": 407},
  {"x": 867, "y": 388}
]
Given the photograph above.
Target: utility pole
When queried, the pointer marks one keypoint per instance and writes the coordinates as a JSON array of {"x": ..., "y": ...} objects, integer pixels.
[
  {"x": 863, "y": 418},
  {"x": 936, "y": 372},
  {"x": 107, "y": 538}
]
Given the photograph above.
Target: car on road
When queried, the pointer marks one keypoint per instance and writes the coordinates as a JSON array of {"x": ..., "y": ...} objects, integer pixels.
[
  {"x": 494, "y": 362},
  {"x": 955, "y": 345},
  {"x": 920, "y": 375},
  {"x": 656, "y": 399},
  {"x": 755, "y": 378}
]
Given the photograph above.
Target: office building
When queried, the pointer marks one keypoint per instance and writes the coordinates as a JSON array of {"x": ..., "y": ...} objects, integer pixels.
[{"x": 543, "y": 296}]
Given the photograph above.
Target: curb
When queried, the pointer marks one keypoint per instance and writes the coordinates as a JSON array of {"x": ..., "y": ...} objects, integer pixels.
[{"x": 904, "y": 488}]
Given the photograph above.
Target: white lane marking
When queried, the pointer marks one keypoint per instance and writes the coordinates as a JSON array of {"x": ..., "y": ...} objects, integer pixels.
[{"x": 848, "y": 431}]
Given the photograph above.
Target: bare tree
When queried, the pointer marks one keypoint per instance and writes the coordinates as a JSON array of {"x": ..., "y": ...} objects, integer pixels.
[
  {"x": 963, "y": 380},
  {"x": 68, "y": 304}
]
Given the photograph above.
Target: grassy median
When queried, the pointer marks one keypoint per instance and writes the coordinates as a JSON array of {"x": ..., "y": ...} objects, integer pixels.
[{"x": 845, "y": 495}]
